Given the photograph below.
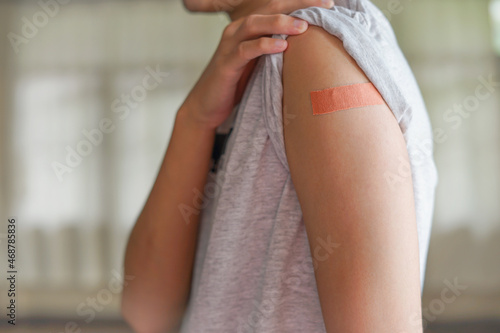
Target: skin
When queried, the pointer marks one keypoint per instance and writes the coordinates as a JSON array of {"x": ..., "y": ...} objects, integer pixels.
[
  {"x": 162, "y": 245},
  {"x": 371, "y": 282}
]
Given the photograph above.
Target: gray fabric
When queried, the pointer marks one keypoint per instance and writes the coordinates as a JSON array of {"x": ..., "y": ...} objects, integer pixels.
[{"x": 253, "y": 269}]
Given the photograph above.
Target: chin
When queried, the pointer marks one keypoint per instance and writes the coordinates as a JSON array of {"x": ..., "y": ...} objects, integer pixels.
[{"x": 200, "y": 5}]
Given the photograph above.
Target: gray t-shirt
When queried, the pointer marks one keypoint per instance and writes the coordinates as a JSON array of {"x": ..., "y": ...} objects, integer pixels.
[{"x": 253, "y": 268}]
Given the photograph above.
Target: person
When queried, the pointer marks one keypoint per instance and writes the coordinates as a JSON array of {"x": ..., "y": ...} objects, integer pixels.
[{"x": 297, "y": 190}]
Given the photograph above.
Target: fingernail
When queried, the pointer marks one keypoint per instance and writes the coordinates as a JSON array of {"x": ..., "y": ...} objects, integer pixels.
[
  {"x": 328, "y": 3},
  {"x": 299, "y": 24},
  {"x": 279, "y": 43}
]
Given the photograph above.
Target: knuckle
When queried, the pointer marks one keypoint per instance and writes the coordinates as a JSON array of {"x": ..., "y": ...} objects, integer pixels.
[
  {"x": 228, "y": 30},
  {"x": 241, "y": 51},
  {"x": 249, "y": 23},
  {"x": 261, "y": 44},
  {"x": 282, "y": 20},
  {"x": 275, "y": 6}
]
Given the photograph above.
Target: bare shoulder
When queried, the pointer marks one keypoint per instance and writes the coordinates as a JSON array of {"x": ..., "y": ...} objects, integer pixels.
[
  {"x": 315, "y": 61},
  {"x": 319, "y": 58}
]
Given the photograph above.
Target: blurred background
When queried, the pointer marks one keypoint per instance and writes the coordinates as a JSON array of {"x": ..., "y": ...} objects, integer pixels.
[{"x": 70, "y": 70}]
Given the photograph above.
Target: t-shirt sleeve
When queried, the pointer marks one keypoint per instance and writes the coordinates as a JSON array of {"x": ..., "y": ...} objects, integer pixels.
[{"x": 369, "y": 41}]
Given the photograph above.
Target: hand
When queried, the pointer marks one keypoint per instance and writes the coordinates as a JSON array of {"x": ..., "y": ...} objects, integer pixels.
[{"x": 221, "y": 85}]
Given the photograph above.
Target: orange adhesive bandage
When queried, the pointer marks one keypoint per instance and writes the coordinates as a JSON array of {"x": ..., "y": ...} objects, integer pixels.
[{"x": 345, "y": 97}]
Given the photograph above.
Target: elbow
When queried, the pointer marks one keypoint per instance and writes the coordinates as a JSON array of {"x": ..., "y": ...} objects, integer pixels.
[
  {"x": 131, "y": 316},
  {"x": 144, "y": 317}
]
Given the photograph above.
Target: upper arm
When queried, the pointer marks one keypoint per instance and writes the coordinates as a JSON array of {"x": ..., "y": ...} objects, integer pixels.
[{"x": 338, "y": 162}]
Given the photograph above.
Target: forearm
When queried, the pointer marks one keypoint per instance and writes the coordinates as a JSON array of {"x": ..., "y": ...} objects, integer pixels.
[{"x": 161, "y": 248}]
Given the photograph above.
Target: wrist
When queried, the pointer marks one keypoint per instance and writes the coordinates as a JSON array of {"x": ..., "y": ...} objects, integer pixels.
[{"x": 186, "y": 115}]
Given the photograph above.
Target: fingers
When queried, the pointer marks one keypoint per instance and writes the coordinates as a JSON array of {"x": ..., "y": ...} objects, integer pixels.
[
  {"x": 286, "y": 7},
  {"x": 260, "y": 25},
  {"x": 271, "y": 16},
  {"x": 249, "y": 37},
  {"x": 254, "y": 48},
  {"x": 247, "y": 50}
]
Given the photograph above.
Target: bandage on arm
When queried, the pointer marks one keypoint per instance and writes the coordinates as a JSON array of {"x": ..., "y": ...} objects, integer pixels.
[{"x": 345, "y": 97}]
